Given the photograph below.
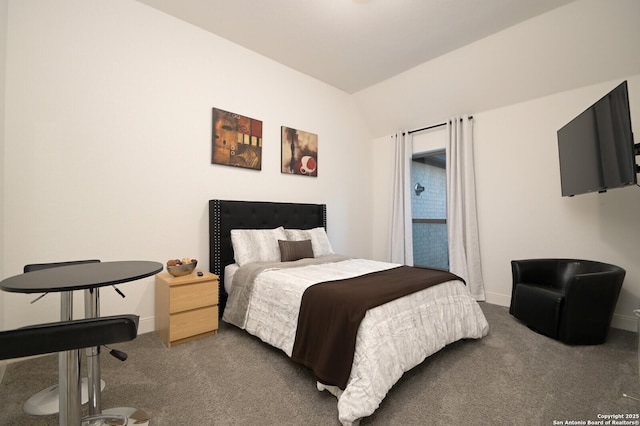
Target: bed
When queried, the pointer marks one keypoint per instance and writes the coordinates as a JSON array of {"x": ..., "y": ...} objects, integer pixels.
[{"x": 267, "y": 299}]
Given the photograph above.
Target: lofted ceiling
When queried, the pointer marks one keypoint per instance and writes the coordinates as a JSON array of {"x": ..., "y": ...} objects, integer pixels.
[{"x": 353, "y": 44}]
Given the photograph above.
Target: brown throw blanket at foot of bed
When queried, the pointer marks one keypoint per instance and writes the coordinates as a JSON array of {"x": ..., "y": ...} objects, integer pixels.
[{"x": 331, "y": 312}]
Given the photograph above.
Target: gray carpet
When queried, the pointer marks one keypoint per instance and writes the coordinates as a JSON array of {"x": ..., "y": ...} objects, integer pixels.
[{"x": 513, "y": 376}]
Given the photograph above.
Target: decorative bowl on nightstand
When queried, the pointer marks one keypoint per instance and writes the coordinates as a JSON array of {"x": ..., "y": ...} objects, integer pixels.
[{"x": 181, "y": 269}]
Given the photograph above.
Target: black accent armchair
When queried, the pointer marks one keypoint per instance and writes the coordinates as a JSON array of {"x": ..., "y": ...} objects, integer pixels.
[{"x": 570, "y": 300}]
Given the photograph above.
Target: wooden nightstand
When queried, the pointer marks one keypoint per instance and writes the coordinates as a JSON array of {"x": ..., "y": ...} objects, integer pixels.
[{"x": 186, "y": 307}]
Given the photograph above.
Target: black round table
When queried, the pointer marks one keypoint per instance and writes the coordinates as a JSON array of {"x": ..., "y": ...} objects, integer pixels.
[
  {"x": 66, "y": 280},
  {"x": 80, "y": 276}
]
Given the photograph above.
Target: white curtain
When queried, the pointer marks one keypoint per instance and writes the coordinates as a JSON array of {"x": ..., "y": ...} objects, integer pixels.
[
  {"x": 462, "y": 218},
  {"x": 401, "y": 227}
]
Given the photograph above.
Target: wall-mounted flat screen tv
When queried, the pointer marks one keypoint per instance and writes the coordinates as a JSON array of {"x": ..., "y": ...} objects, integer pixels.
[{"x": 596, "y": 148}]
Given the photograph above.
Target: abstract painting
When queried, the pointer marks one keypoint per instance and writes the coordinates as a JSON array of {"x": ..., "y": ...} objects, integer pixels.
[
  {"x": 237, "y": 140},
  {"x": 299, "y": 152}
]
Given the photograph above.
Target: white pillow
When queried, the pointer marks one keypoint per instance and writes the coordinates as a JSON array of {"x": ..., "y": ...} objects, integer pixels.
[
  {"x": 318, "y": 236},
  {"x": 256, "y": 245}
]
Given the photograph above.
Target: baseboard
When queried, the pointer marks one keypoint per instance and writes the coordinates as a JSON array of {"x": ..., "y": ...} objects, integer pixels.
[
  {"x": 146, "y": 325},
  {"x": 498, "y": 299},
  {"x": 625, "y": 322}
]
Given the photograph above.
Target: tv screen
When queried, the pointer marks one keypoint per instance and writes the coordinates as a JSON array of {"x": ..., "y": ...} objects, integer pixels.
[{"x": 596, "y": 148}]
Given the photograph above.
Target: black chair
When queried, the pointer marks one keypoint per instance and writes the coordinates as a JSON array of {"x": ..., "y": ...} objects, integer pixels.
[
  {"x": 569, "y": 300},
  {"x": 38, "y": 266},
  {"x": 91, "y": 301},
  {"x": 68, "y": 336},
  {"x": 38, "y": 406}
]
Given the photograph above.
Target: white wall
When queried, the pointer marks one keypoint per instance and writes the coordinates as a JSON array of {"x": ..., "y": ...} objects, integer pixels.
[
  {"x": 108, "y": 143},
  {"x": 3, "y": 43}
]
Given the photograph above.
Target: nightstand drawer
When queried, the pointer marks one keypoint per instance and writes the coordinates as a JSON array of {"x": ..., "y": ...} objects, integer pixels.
[
  {"x": 191, "y": 296},
  {"x": 191, "y": 323}
]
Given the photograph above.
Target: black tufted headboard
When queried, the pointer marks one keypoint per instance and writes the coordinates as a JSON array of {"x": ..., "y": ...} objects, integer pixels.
[{"x": 227, "y": 215}]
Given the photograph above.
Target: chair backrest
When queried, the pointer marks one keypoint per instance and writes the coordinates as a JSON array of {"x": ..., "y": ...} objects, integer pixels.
[
  {"x": 38, "y": 266},
  {"x": 593, "y": 267},
  {"x": 67, "y": 335},
  {"x": 566, "y": 270},
  {"x": 558, "y": 272},
  {"x": 571, "y": 268}
]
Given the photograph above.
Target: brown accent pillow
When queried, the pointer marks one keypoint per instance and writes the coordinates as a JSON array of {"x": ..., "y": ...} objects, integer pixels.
[{"x": 295, "y": 250}]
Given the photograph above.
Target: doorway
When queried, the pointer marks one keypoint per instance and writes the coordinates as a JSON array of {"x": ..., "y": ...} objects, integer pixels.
[{"x": 429, "y": 209}]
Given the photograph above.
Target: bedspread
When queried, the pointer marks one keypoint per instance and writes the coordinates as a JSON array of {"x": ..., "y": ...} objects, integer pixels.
[
  {"x": 331, "y": 313},
  {"x": 392, "y": 339}
]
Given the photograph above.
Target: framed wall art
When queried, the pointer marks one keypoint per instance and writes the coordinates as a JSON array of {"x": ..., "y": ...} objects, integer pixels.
[
  {"x": 299, "y": 152},
  {"x": 236, "y": 140}
]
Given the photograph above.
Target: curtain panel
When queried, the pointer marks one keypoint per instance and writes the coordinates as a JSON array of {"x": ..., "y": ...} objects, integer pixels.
[
  {"x": 462, "y": 218},
  {"x": 401, "y": 235}
]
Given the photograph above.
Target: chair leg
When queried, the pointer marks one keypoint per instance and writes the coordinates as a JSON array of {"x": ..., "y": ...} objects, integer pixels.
[
  {"x": 69, "y": 372},
  {"x": 92, "y": 310}
]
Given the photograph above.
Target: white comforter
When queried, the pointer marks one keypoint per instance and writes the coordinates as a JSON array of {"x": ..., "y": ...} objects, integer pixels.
[{"x": 392, "y": 339}]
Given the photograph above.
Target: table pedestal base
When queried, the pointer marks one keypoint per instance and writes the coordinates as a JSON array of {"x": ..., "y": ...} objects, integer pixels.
[
  {"x": 46, "y": 402},
  {"x": 135, "y": 416}
]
